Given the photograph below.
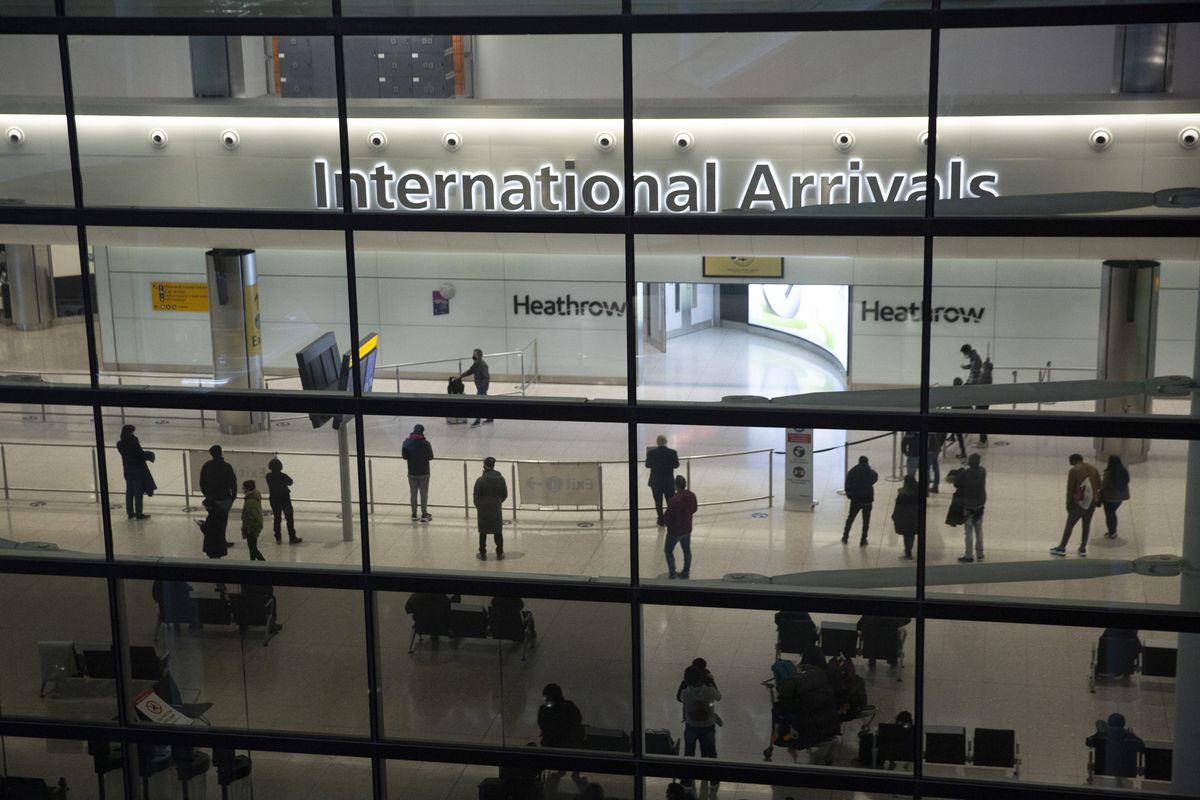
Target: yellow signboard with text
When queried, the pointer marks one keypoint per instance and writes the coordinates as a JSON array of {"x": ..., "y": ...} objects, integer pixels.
[{"x": 179, "y": 296}]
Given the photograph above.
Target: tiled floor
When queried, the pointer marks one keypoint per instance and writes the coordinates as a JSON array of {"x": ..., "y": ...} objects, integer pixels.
[{"x": 312, "y": 675}]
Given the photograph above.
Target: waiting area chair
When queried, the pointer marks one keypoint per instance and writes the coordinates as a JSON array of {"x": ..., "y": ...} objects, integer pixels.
[
  {"x": 17, "y": 788},
  {"x": 795, "y": 632},
  {"x": 1121, "y": 760},
  {"x": 1117, "y": 656},
  {"x": 231, "y": 768}
]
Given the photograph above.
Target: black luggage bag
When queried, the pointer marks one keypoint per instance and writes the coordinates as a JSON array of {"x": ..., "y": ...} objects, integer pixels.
[
  {"x": 660, "y": 742},
  {"x": 455, "y": 386},
  {"x": 613, "y": 740}
]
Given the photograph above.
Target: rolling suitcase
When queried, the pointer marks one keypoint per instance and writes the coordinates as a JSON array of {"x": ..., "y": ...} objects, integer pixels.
[
  {"x": 866, "y": 749},
  {"x": 660, "y": 742},
  {"x": 455, "y": 386}
]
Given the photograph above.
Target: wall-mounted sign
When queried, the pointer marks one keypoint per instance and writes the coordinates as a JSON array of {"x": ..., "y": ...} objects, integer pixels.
[
  {"x": 551, "y": 189},
  {"x": 816, "y": 313},
  {"x": 170, "y": 296},
  {"x": 742, "y": 267},
  {"x": 876, "y": 311},
  {"x": 566, "y": 306},
  {"x": 441, "y": 304}
]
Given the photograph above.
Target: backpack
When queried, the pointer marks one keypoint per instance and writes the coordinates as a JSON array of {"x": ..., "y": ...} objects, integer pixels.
[
  {"x": 783, "y": 671},
  {"x": 1085, "y": 495},
  {"x": 699, "y": 711}
]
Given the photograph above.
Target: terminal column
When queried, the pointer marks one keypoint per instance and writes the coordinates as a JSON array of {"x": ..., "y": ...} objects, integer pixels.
[
  {"x": 1128, "y": 325},
  {"x": 30, "y": 286},
  {"x": 236, "y": 332}
]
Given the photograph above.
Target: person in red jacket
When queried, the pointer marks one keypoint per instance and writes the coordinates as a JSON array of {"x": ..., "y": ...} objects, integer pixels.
[{"x": 678, "y": 518}]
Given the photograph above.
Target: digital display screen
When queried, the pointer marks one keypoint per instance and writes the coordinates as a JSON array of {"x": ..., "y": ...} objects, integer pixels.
[{"x": 816, "y": 313}]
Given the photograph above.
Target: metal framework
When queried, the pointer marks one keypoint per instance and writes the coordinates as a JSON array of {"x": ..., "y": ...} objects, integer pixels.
[{"x": 632, "y": 412}]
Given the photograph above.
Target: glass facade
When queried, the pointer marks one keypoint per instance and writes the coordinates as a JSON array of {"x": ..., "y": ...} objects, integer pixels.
[{"x": 601, "y": 400}]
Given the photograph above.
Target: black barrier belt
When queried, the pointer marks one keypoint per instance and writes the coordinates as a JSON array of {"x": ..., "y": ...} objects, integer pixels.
[{"x": 847, "y": 444}]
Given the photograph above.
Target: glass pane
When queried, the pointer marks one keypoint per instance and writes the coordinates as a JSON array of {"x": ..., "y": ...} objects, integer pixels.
[
  {"x": 549, "y": 516},
  {"x": 160, "y": 326},
  {"x": 155, "y": 127},
  {"x": 42, "y": 332},
  {"x": 455, "y": 8},
  {"x": 250, "y": 656},
  {"x": 18, "y": 8},
  {"x": 799, "y": 320},
  {"x": 548, "y": 312},
  {"x": 1125, "y": 151},
  {"x": 982, "y": 685},
  {"x": 57, "y": 649},
  {"x": 811, "y": 718},
  {"x": 236, "y": 503},
  {"x": 1037, "y": 497},
  {"x": 811, "y": 509},
  {"x": 534, "y": 127},
  {"x": 1078, "y": 324},
  {"x": 759, "y": 123},
  {"x": 481, "y": 670},
  {"x": 198, "y": 8},
  {"x": 34, "y": 161},
  {"x": 44, "y": 767},
  {"x": 50, "y": 482}
]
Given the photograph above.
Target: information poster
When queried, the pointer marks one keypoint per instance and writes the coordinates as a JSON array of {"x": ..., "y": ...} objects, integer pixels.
[
  {"x": 559, "y": 483},
  {"x": 798, "y": 485},
  {"x": 172, "y": 296},
  {"x": 742, "y": 267}
]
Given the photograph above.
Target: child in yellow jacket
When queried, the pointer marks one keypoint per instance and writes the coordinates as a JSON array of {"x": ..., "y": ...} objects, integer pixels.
[{"x": 252, "y": 519}]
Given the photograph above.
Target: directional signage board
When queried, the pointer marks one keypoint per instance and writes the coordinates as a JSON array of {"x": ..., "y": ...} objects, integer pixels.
[
  {"x": 798, "y": 482},
  {"x": 559, "y": 483}
]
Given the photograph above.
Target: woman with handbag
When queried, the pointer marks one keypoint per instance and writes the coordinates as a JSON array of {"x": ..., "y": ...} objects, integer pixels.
[{"x": 904, "y": 515}]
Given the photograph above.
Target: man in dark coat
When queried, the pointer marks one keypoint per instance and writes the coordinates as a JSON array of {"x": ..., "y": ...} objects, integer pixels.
[
  {"x": 219, "y": 485},
  {"x": 490, "y": 493},
  {"x": 417, "y": 452},
  {"x": 138, "y": 480},
  {"x": 860, "y": 491},
  {"x": 559, "y": 720},
  {"x": 904, "y": 515},
  {"x": 482, "y": 376},
  {"x": 662, "y": 462}
]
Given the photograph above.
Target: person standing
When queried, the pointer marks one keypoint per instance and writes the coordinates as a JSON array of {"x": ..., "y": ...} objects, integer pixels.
[
  {"x": 974, "y": 368},
  {"x": 904, "y": 515},
  {"x": 490, "y": 493},
  {"x": 138, "y": 480},
  {"x": 252, "y": 519},
  {"x": 1114, "y": 490},
  {"x": 860, "y": 491},
  {"x": 279, "y": 494},
  {"x": 970, "y": 492},
  {"x": 1083, "y": 494},
  {"x": 700, "y": 718},
  {"x": 417, "y": 453},
  {"x": 482, "y": 376},
  {"x": 911, "y": 450},
  {"x": 219, "y": 486},
  {"x": 680, "y": 509},
  {"x": 662, "y": 462},
  {"x": 958, "y": 437},
  {"x": 933, "y": 451}
]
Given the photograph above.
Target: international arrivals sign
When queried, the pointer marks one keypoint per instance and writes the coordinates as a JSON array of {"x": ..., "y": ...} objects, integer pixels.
[{"x": 759, "y": 186}]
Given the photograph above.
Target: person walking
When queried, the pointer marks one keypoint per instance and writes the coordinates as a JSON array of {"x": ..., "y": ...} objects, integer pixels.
[
  {"x": 662, "y": 462},
  {"x": 417, "y": 453},
  {"x": 252, "y": 519},
  {"x": 970, "y": 492},
  {"x": 678, "y": 517},
  {"x": 489, "y": 495},
  {"x": 482, "y": 376},
  {"x": 1114, "y": 490},
  {"x": 219, "y": 486},
  {"x": 860, "y": 491},
  {"x": 279, "y": 494},
  {"x": 904, "y": 514},
  {"x": 700, "y": 718},
  {"x": 138, "y": 480},
  {"x": 1083, "y": 495}
]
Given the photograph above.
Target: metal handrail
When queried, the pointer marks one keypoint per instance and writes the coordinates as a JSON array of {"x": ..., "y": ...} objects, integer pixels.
[{"x": 372, "y": 499}]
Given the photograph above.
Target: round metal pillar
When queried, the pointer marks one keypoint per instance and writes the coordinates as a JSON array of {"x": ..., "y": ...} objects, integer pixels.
[
  {"x": 1128, "y": 325},
  {"x": 236, "y": 332},
  {"x": 30, "y": 286}
]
